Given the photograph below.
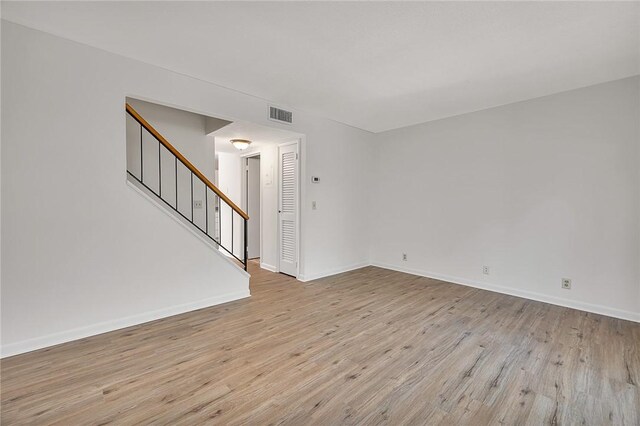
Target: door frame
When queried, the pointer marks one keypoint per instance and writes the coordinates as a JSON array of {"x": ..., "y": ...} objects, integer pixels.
[
  {"x": 243, "y": 190},
  {"x": 298, "y": 143}
]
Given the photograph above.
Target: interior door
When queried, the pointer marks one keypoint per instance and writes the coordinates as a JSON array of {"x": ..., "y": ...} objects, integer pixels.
[
  {"x": 288, "y": 208},
  {"x": 253, "y": 206}
]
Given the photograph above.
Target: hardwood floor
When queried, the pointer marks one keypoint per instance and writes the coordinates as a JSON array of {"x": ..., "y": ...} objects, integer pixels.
[{"x": 366, "y": 347}]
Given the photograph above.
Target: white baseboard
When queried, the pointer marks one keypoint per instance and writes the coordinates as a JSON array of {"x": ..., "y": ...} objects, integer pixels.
[
  {"x": 104, "y": 327},
  {"x": 311, "y": 277},
  {"x": 567, "y": 303},
  {"x": 268, "y": 267}
]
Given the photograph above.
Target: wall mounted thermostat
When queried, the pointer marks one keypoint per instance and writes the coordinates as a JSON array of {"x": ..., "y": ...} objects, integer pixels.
[{"x": 315, "y": 179}]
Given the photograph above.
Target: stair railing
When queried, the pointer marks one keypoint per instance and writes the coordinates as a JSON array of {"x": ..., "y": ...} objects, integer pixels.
[{"x": 209, "y": 188}]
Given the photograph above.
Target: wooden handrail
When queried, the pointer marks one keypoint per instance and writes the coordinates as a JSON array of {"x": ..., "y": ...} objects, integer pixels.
[{"x": 184, "y": 161}]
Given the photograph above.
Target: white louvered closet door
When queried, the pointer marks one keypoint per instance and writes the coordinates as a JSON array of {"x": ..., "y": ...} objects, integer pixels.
[{"x": 288, "y": 208}]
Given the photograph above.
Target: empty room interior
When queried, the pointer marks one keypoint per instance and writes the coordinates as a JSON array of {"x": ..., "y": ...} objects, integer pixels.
[{"x": 327, "y": 213}]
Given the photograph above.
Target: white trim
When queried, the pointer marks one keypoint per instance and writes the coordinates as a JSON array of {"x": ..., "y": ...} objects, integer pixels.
[
  {"x": 103, "y": 327},
  {"x": 352, "y": 267},
  {"x": 302, "y": 216},
  {"x": 268, "y": 267},
  {"x": 567, "y": 303},
  {"x": 107, "y": 326},
  {"x": 135, "y": 185},
  {"x": 243, "y": 190},
  {"x": 245, "y": 154}
]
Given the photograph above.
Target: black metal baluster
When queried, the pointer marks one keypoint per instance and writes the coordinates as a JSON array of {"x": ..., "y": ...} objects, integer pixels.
[
  {"x": 219, "y": 210},
  {"x": 176, "y": 170},
  {"x": 246, "y": 247},
  {"x": 160, "y": 169},
  {"x": 141, "y": 162},
  {"x": 191, "y": 197},
  {"x": 206, "y": 209}
]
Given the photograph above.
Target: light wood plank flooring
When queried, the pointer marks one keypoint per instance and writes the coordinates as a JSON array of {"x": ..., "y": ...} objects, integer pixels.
[{"x": 365, "y": 347}]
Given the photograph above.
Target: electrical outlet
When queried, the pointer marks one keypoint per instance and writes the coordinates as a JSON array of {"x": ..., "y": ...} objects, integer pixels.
[
  {"x": 314, "y": 206},
  {"x": 485, "y": 270},
  {"x": 566, "y": 283},
  {"x": 404, "y": 256},
  {"x": 197, "y": 204}
]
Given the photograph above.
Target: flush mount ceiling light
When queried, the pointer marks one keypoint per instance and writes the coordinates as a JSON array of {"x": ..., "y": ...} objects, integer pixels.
[{"x": 240, "y": 144}]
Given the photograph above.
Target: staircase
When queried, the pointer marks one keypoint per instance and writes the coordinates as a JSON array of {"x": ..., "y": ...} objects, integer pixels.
[{"x": 162, "y": 180}]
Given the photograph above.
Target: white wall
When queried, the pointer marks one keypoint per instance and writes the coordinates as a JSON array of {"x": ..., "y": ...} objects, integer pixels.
[
  {"x": 186, "y": 131},
  {"x": 335, "y": 237},
  {"x": 229, "y": 172},
  {"x": 537, "y": 190},
  {"x": 73, "y": 231}
]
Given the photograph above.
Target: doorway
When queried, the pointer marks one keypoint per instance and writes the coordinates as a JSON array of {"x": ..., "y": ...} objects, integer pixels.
[
  {"x": 252, "y": 204},
  {"x": 253, "y": 177}
]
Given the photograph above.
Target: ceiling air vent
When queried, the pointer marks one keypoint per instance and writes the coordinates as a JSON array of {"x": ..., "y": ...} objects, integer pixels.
[{"x": 280, "y": 115}]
